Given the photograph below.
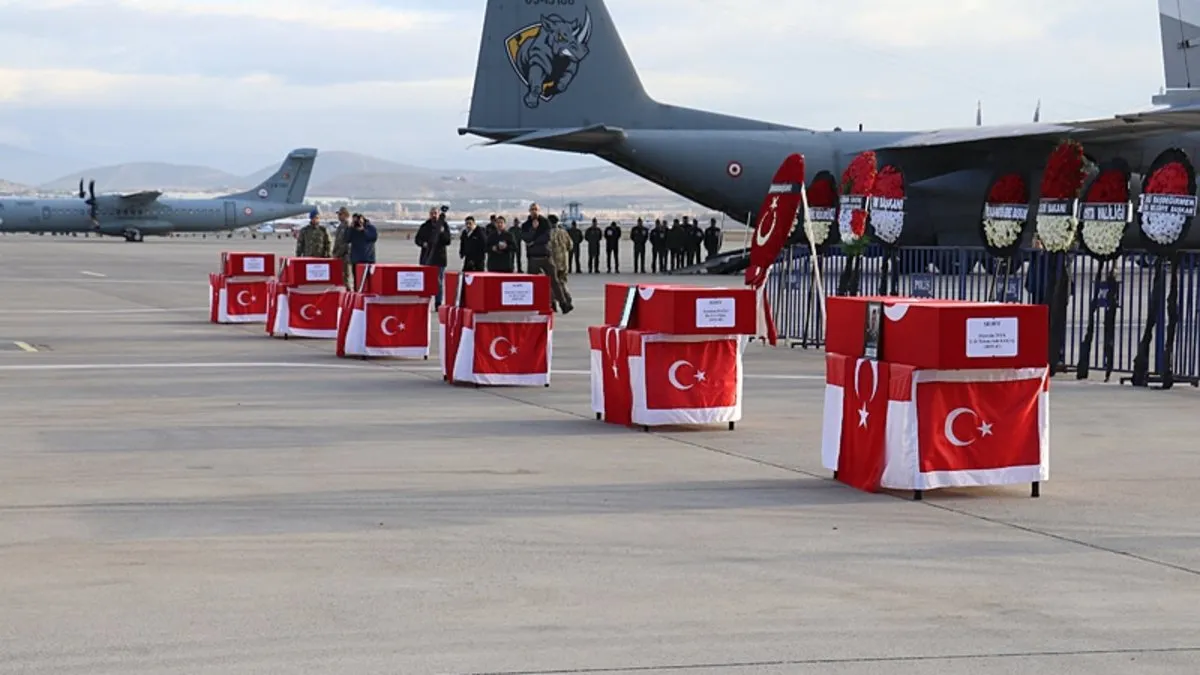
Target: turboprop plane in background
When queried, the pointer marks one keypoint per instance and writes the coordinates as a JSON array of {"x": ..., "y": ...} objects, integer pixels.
[
  {"x": 139, "y": 214},
  {"x": 557, "y": 76}
]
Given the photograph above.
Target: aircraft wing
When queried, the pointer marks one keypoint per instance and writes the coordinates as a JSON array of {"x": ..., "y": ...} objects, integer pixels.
[
  {"x": 1113, "y": 129},
  {"x": 140, "y": 198}
]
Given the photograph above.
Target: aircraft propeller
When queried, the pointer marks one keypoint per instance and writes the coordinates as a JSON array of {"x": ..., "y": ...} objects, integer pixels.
[
  {"x": 82, "y": 195},
  {"x": 91, "y": 201}
]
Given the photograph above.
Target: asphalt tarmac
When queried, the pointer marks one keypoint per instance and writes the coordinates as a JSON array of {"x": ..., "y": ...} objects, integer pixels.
[{"x": 183, "y": 498}]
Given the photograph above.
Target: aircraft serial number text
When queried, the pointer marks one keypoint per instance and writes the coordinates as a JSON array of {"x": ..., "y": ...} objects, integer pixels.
[{"x": 560, "y": 3}]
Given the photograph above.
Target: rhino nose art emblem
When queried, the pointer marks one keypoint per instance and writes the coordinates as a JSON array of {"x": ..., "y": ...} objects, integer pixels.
[{"x": 546, "y": 56}]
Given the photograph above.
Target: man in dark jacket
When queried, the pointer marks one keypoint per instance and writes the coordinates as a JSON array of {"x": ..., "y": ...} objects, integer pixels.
[
  {"x": 433, "y": 237},
  {"x": 639, "y": 235},
  {"x": 501, "y": 245},
  {"x": 676, "y": 241},
  {"x": 612, "y": 246},
  {"x": 361, "y": 238},
  {"x": 490, "y": 228},
  {"x": 593, "y": 237},
  {"x": 658, "y": 247},
  {"x": 536, "y": 233},
  {"x": 712, "y": 239},
  {"x": 514, "y": 227},
  {"x": 472, "y": 246},
  {"x": 697, "y": 242},
  {"x": 576, "y": 245}
]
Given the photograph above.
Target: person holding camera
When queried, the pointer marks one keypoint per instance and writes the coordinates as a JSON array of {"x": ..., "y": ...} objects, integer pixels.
[
  {"x": 361, "y": 238},
  {"x": 472, "y": 246},
  {"x": 433, "y": 237}
]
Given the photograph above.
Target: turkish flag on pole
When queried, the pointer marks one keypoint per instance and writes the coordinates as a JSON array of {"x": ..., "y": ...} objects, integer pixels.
[
  {"x": 864, "y": 424},
  {"x": 775, "y": 218},
  {"x": 978, "y": 426}
]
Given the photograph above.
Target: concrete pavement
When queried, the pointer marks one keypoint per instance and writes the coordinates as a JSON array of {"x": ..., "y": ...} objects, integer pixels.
[{"x": 187, "y": 498}]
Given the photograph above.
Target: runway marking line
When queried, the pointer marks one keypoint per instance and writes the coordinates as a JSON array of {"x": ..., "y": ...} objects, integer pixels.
[
  {"x": 92, "y": 274},
  {"x": 24, "y": 346},
  {"x": 144, "y": 310}
]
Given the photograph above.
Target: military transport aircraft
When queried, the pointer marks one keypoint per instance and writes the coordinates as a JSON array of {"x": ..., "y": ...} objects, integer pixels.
[
  {"x": 556, "y": 76},
  {"x": 136, "y": 215}
]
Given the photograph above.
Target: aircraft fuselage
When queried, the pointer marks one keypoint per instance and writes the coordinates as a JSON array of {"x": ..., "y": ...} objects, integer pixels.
[
  {"x": 730, "y": 171},
  {"x": 160, "y": 217}
]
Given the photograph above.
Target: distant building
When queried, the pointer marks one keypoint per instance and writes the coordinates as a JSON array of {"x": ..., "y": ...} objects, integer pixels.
[{"x": 572, "y": 213}]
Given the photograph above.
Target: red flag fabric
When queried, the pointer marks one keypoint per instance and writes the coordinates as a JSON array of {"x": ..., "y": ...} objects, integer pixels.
[
  {"x": 691, "y": 375},
  {"x": 504, "y": 348},
  {"x": 864, "y": 424},
  {"x": 965, "y": 426},
  {"x": 775, "y": 218}
]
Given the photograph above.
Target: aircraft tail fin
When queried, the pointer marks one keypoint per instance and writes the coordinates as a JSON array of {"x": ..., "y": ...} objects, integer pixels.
[
  {"x": 564, "y": 66},
  {"x": 289, "y": 184},
  {"x": 1180, "y": 24}
]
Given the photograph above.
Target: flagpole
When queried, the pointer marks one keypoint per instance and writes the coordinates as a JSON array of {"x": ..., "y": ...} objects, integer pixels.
[{"x": 816, "y": 269}]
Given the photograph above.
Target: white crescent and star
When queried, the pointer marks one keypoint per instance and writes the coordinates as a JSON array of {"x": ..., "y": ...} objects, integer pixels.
[
  {"x": 244, "y": 303},
  {"x": 673, "y": 375},
  {"x": 761, "y": 237},
  {"x": 492, "y": 349},
  {"x": 304, "y": 312},
  {"x": 985, "y": 428},
  {"x": 616, "y": 349},
  {"x": 383, "y": 325},
  {"x": 863, "y": 414}
]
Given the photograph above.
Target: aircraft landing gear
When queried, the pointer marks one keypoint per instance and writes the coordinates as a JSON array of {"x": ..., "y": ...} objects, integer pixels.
[{"x": 133, "y": 235}]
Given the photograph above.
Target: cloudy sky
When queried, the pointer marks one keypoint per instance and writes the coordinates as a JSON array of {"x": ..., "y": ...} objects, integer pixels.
[{"x": 234, "y": 84}]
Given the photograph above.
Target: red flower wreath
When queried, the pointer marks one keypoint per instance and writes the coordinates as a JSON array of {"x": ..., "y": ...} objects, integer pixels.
[
  {"x": 1064, "y": 173},
  {"x": 859, "y": 180},
  {"x": 889, "y": 183},
  {"x": 1170, "y": 179},
  {"x": 822, "y": 195},
  {"x": 1111, "y": 187},
  {"x": 1009, "y": 189}
]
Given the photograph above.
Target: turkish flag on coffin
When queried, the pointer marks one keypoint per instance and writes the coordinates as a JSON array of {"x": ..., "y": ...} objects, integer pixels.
[
  {"x": 313, "y": 311},
  {"x": 964, "y": 426},
  {"x": 391, "y": 325},
  {"x": 246, "y": 297},
  {"x": 691, "y": 375},
  {"x": 511, "y": 348},
  {"x": 864, "y": 424}
]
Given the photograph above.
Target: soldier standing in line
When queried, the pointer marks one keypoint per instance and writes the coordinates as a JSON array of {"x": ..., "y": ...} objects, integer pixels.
[
  {"x": 697, "y": 242},
  {"x": 675, "y": 241},
  {"x": 712, "y": 239},
  {"x": 612, "y": 246},
  {"x": 520, "y": 244},
  {"x": 689, "y": 257},
  {"x": 313, "y": 240},
  {"x": 341, "y": 247},
  {"x": 593, "y": 237},
  {"x": 576, "y": 245},
  {"x": 639, "y": 235},
  {"x": 658, "y": 247},
  {"x": 501, "y": 245},
  {"x": 472, "y": 246}
]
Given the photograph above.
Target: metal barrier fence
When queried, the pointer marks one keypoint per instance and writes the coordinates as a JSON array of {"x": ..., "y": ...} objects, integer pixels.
[{"x": 968, "y": 274}]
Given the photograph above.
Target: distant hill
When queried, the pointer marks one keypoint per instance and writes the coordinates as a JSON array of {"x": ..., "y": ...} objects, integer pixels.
[
  {"x": 146, "y": 176},
  {"x": 362, "y": 177},
  {"x": 10, "y": 188},
  {"x": 33, "y": 168}
]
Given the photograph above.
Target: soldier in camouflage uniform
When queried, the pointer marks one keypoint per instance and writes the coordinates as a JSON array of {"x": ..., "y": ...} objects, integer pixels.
[
  {"x": 341, "y": 246},
  {"x": 313, "y": 240},
  {"x": 560, "y": 252}
]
